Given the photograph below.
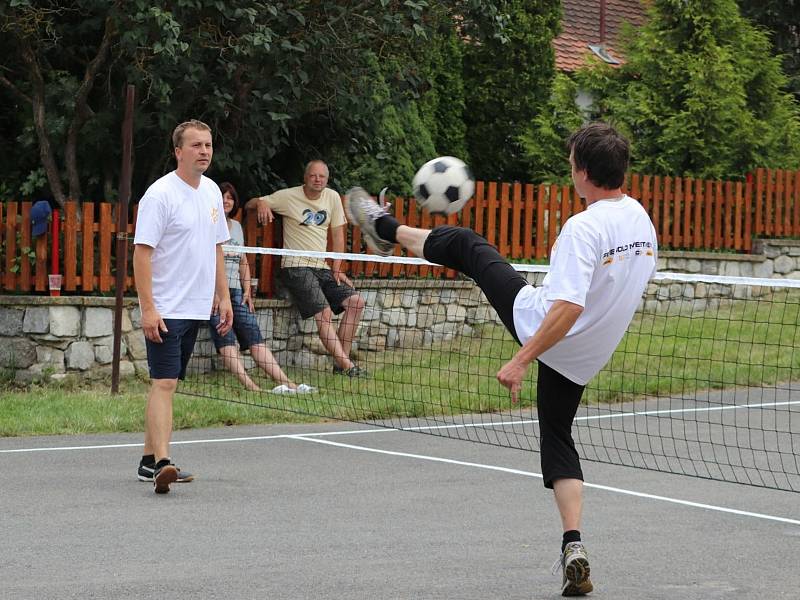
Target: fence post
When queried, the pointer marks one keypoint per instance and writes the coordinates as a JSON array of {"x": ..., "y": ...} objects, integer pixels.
[
  {"x": 25, "y": 242},
  {"x": 516, "y": 218},
  {"x": 541, "y": 251},
  {"x": 529, "y": 217}
]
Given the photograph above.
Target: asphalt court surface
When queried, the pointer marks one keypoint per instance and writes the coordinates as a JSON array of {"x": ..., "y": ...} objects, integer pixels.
[{"x": 336, "y": 510}]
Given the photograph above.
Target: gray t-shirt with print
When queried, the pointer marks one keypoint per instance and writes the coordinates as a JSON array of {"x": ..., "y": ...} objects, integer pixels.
[{"x": 234, "y": 259}]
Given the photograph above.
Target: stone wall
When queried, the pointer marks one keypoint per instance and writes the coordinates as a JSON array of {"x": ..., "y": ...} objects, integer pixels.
[
  {"x": 770, "y": 259},
  {"x": 43, "y": 338}
]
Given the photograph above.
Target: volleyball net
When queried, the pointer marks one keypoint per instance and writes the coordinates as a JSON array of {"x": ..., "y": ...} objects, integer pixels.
[{"x": 706, "y": 381}]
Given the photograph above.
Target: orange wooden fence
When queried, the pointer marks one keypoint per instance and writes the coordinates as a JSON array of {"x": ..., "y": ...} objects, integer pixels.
[{"x": 522, "y": 220}]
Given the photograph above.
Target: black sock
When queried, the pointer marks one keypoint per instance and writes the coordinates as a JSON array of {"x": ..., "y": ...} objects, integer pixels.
[
  {"x": 573, "y": 535},
  {"x": 163, "y": 462},
  {"x": 386, "y": 227},
  {"x": 148, "y": 459}
]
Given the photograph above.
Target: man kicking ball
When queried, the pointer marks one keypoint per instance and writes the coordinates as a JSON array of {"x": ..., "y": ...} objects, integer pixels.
[{"x": 571, "y": 324}]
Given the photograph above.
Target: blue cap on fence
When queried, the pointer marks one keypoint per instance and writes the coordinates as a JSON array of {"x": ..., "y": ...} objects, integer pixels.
[{"x": 40, "y": 215}]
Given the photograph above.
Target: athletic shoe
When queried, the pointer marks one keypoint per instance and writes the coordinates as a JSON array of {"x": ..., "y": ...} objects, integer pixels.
[
  {"x": 363, "y": 211},
  {"x": 146, "y": 474},
  {"x": 354, "y": 371},
  {"x": 300, "y": 389},
  {"x": 282, "y": 389},
  {"x": 165, "y": 474},
  {"x": 574, "y": 564}
]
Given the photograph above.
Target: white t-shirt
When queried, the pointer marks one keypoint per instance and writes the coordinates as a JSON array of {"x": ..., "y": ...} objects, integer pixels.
[
  {"x": 602, "y": 261},
  {"x": 184, "y": 226}
]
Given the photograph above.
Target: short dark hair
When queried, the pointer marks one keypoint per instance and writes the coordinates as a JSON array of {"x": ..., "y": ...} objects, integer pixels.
[
  {"x": 602, "y": 152},
  {"x": 225, "y": 187}
]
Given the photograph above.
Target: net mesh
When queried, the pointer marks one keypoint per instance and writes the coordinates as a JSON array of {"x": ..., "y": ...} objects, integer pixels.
[{"x": 706, "y": 381}]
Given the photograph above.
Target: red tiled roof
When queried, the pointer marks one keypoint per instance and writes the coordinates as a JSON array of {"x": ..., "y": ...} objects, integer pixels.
[{"x": 580, "y": 26}]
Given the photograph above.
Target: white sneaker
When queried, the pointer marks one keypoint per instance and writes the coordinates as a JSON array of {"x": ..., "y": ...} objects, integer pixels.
[
  {"x": 362, "y": 211},
  {"x": 282, "y": 389},
  {"x": 305, "y": 389},
  {"x": 574, "y": 564}
]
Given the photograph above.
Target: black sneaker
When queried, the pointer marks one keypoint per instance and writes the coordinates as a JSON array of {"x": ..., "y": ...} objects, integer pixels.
[
  {"x": 165, "y": 474},
  {"x": 354, "y": 371},
  {"x": 146, "y": 473}
]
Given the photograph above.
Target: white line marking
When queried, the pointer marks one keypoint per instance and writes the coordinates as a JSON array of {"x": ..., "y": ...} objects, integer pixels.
[
  {"x": 314, "y": 437},
  {"x": 607, "y": 488},
  {"x": 424, "y": 427},
  {"x": 198, "y": 441}
]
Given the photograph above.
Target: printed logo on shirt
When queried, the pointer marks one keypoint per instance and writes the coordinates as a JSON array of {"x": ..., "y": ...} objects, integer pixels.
[
  {"x": 627, "y": 251},
  {"x": 214, "y": 215},
  {"x": 314, "y": 218}
]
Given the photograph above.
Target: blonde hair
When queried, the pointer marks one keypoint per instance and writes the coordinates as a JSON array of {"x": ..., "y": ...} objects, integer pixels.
[{"x": 177, "y": 135}]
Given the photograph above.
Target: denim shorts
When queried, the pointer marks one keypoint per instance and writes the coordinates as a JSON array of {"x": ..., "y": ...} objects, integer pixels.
[
  {"x": 313, "y": 290},
  {"x": 245, "y": 327},
  {"x": 168, "y": 360}
]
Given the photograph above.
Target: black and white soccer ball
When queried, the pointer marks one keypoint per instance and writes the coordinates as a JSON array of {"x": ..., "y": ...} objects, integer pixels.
[{"x": 443, "y": 185}]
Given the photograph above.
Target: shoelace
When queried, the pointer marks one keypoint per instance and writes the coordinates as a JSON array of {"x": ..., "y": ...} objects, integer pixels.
[
  {"x": 558, "y": 565},
  {"x": 375, "y": 210}
]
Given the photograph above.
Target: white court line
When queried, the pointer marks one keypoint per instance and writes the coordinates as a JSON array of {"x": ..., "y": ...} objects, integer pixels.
[
  {"x": 607, "y": 488},
  {"x": 315, "y": 437},
  {"x": 197, "y": 441},
  {"x": 420, "y": 427}
]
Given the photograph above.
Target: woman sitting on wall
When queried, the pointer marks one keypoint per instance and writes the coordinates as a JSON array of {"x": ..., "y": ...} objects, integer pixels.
[{"x": 245, "y": 327}]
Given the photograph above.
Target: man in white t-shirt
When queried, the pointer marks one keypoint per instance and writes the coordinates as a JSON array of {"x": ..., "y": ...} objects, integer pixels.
[
  {"x": 317, "y": 289},
  {"x": 179, "y": 268},
  {"x": 571, "y": 324}
]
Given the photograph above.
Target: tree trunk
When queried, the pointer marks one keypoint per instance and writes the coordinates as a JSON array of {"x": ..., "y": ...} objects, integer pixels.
[
  {"x": 82, "y": 111},
  {"x": 38, "y": 104}
]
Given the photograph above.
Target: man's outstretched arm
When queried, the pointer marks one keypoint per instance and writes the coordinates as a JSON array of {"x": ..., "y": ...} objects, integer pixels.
[{"x": 556, "y": 324}]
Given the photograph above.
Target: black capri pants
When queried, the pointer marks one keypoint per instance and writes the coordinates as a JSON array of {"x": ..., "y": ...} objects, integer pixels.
[
  {"x": 557, "y": 397},
  {"x": 465, "y": 251}
]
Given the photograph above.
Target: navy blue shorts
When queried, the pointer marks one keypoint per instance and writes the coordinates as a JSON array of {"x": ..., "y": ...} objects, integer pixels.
[
  {"x": 245, "y": 327},
  {"x": 168, "y": 360}
]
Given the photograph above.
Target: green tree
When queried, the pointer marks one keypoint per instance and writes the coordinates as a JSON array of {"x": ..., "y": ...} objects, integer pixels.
[
  {"x": 442, "y": 102},
  {"x": 509, "y": 68},
  {"x": 280, "y": 82},
  {"x": 700, "y": 93},
  {"x": 53, "y": 56},
  {"x": 544, "y": 141},
  {"x": 782, "y": 19}
]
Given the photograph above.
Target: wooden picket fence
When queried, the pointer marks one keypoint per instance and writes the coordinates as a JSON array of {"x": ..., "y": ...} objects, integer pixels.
[{"x": 522, "y": 220}]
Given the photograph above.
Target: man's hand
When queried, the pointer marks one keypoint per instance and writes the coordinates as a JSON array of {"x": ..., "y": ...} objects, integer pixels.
[
  {"x": 341, "y": 278},
  {"x": 264, "y": 211},
  {"x": 247, "y": 300},
  {"x": 225, "y": 316},
  {"x": 152, "y": 325},
  {"x": 511, "y": 375}
]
